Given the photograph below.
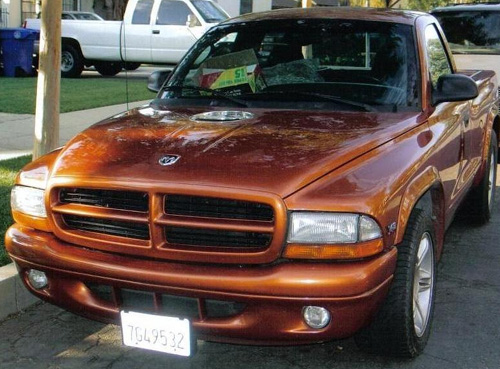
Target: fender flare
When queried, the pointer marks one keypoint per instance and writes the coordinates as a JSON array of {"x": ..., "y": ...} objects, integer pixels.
[{"x": 413, "y": 193}]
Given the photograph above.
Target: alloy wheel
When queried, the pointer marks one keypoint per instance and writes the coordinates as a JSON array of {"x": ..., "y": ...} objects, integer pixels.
[{"x": 423, "y": 284}]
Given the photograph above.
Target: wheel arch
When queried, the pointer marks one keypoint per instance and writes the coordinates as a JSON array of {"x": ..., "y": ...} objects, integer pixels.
[
  {"x": 75, "y": 44},
  {"x": 426, "y": 193}
]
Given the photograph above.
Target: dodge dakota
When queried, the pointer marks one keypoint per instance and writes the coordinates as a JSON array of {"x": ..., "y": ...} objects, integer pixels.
[{"x": 291, "y": 183}]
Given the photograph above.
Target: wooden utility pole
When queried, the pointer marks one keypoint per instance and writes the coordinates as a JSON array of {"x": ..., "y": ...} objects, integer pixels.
[{"x": 49, "y": 79}]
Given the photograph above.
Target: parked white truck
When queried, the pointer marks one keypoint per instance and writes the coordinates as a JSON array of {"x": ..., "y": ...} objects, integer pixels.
[{"x": 152, "y": 31}]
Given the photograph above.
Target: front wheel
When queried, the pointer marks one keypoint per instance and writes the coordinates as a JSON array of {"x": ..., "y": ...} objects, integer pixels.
[
  {"x": 108, "y": 69},
  {"x": 402, "y": 326}
]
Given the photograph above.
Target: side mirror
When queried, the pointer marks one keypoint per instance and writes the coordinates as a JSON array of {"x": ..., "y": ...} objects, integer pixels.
[
  {"x": 157, "y": 79},
  {"x": 192, "y": 21},
  {"x": 454, "y": 87}
]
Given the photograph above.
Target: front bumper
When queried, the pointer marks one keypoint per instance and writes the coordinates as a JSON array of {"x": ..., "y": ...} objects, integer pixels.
[{"x": 273, "y": 296}]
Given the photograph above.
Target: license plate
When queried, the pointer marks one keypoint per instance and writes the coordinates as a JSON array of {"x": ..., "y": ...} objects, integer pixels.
[{"x": 154, "y": 332}]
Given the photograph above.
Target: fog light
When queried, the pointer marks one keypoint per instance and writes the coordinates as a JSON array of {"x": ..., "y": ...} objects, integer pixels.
[
  {"x": 38, "y": 279},
  {"x": 316, "y": 317}
]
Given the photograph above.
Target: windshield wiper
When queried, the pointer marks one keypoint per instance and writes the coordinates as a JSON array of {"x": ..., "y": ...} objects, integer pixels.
[
  {"x": 332, "y": 98},
  {"x": 209, "y": 90}
]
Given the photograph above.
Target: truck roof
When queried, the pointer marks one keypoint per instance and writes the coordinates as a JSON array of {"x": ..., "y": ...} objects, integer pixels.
[{"x": 369, "y": 14}]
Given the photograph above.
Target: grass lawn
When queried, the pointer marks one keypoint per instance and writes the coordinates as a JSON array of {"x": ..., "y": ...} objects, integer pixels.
[
  {"x": 18, "y": 95},
  {"x": 8, "y": 171}
]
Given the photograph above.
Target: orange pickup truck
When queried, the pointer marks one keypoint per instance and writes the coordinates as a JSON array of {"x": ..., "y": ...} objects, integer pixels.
[{"x": 291, "y": 183}]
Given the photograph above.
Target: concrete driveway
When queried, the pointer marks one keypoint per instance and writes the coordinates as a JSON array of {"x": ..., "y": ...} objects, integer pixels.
[{"x": 466, "y": 330}]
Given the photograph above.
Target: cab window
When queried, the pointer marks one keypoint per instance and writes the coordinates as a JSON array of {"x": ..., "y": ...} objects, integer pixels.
[
  {"x": 174, "y": 13},
  {"x": 142, "y": 12}
]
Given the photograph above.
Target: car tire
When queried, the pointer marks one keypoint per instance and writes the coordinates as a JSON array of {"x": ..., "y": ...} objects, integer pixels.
[
  {"x": 71, "y": 61},
  {"x": 480, "y": 203},
  {"x": 108, "y": 69},
  {"x": 402, "y": 326}
]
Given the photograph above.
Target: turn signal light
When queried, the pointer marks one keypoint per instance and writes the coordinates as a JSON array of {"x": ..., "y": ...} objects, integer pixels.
[{"x": 339, "y": 251}]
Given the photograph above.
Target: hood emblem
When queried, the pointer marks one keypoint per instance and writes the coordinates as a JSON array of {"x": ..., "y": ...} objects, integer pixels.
[{"x": 168, "y": 160}]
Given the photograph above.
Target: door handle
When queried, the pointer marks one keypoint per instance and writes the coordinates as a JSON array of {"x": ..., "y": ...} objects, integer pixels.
[{"x": 156, "y": 32}]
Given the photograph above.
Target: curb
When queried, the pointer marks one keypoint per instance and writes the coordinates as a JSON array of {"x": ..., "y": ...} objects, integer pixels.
[{"x": 14, "y": 297}]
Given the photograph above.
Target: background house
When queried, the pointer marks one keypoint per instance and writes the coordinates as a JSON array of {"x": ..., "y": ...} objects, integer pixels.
[{"x": 14, "y": 12}]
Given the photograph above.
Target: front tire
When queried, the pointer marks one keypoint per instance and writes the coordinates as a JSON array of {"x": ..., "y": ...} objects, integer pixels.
[
  {"x": 402, "y": 326},
  {"x": 108, "y": 69},
  {"x": 71, "y": 61}
]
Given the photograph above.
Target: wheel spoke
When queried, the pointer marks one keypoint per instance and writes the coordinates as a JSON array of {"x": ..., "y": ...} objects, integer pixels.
[
  {"x": 423, "y": 280},
  {"x": 418, "y": 316}
]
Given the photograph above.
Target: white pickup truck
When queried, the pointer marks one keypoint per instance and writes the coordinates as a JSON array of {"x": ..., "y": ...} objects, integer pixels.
[{"x": 152, "y": 31}]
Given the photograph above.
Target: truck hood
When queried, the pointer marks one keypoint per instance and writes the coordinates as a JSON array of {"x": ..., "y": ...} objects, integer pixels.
[{"x": 277, "y": 151}]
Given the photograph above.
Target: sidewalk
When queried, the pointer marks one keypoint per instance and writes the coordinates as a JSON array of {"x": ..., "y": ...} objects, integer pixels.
[
  {"x": 16, "y": 139},
  {"x": 17, "y": 130}
]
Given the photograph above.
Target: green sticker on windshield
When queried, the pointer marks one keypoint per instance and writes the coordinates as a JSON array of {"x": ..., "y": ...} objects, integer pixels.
[{"x": 231, "y": 77}]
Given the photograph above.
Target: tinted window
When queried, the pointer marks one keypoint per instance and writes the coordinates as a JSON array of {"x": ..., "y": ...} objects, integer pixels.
[
  {"x": 142, "y": 12},
  {"x": 173, "y": 13},
  {"x": 472, "y": 32},
  {"x": 437, "y": 59}
]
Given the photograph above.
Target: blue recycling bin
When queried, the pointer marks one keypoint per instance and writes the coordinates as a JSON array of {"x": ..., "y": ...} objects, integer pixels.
[{"x": 16, "y": 46}]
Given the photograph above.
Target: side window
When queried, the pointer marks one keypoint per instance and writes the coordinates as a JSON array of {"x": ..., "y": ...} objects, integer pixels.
[
  {"x": 174, "y": 13},
  {"x": 142, "y": 12},
  {"x": 437, "y": 59}
]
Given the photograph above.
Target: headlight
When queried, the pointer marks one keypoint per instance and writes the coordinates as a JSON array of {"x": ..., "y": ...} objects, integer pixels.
[
  {"x": 314, "y": 235},
  {"x": 330, "y": 228},
  {"x": 29, "y": 201}
]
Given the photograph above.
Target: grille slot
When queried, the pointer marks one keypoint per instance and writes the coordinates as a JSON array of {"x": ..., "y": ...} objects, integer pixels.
[
  {"x": 108, "y": 226},
  {"x": 170, "y": 226},
  {"x": 124, "y": 200},
  {"x": 171, "y": 305},
  {"x": 217, "y": 208},
  {"x": 215, "y": 238}
]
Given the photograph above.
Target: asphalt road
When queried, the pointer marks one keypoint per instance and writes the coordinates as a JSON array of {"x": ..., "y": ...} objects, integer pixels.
[{"x": 466, "y": 328}]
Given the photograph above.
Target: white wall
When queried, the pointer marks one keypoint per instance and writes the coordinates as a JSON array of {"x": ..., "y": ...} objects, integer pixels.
[
  {"x": 262, "y": 5},
  {"x": 14, "y": 9}
]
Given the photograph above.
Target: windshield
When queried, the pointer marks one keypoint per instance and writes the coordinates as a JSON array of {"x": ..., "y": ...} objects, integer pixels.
[
  {"x": 331, "y": 64},
  {"x": 471, "y": 32},
  {"x": 210, "y": 12}
]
